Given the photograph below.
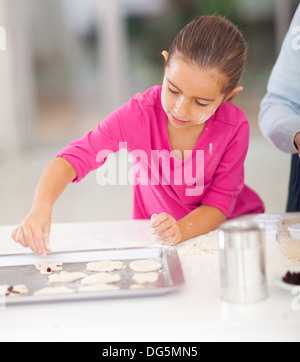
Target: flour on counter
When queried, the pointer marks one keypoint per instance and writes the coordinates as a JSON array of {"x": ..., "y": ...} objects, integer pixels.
[{"x": 206, "y": 244}]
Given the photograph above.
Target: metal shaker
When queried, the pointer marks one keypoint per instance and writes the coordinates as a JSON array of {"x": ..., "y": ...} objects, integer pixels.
[{"x": 242, "y": 262}]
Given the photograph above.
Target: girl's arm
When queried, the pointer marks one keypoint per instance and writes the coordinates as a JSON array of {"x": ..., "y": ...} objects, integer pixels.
[
  {"x": 34, "y": 230},
  {"x": 200, "y": 221}
]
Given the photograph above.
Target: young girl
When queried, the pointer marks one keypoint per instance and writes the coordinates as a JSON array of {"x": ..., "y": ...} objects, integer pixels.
[{"x": 191, "y": 119}]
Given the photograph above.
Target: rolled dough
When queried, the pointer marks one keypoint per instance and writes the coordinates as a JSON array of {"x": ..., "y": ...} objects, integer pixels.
[
  {"x": 103, "y": 278},
  {"x": 136, "y": 286},
  {"x": 13, "y": 290},
  {"x": 65, "y": 277},
  {"x": 54, "y": 290},
  {"x": 145, "y": 265},
  {"x": 3, "y": 289},
  {"x": 97, "y": 287},
  {"x": 105, "y": 265},
  {"x": 48, "y": 268},
  {"x": 142, "y": 278}
]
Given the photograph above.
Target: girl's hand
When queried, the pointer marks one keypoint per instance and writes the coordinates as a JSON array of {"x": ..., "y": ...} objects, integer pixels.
[
  {"x": 166, "y": 228},
  {"x": 34, "y": 230}
]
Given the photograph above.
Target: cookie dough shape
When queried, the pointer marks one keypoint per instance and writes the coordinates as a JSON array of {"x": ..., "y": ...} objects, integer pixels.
[
  {"x": 66, "y": 277},
  {"x": 145, "y": 265},
  {"x": 48, "y": 268},
  {"x": 54, "y": 290},
  {"x": 97, "y": 287},
  {"x": 105, "y": 265},
  {"x": 13, "y": 290},
  {"x": 142, "y": 278},
  {"x": 137, "y": 286},
  {"x": 101, "y": 278}
]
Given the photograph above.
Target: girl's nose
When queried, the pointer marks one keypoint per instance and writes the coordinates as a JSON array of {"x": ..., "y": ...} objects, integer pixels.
[{"x": 181, "y": 108}]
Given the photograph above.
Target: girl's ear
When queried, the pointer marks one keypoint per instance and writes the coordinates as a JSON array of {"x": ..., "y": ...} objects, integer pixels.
[
  {"x": 165, "y": 54},
  {"x": 234, "y": 92}
]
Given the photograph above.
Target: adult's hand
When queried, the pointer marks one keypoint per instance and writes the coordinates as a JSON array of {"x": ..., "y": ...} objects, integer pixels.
[{"x": 297, "y": 142}]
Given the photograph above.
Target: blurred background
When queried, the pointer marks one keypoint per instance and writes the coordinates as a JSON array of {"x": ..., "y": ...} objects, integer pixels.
[{"x": 69, "y": 63}]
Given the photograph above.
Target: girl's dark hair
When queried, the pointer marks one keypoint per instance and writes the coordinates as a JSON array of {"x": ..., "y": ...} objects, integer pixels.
[{"x": 213, "y": 42}]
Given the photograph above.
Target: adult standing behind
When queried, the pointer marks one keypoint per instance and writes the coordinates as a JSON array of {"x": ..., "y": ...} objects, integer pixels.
[{"x": 279, "y": 116}]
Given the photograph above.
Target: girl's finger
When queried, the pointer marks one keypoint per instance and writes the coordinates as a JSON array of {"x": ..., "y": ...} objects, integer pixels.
[
  {"x": 175, "y": 236},
  {"x": 153, "y": 217},
  {"x": 19, "y": 237},
  {"x": 14, "y": 234},
  {"x": 30, "y": 240},
  {"x": 172, "y": 240},
  {"x": 46, "y": 237},
  {"x": 159, "y": 219},
  {"x": 40, "y": 244},
  {"x": 165, "y": 225},
  {"x": 46, "y": 242},
  {"x": 167, "y": 233}
]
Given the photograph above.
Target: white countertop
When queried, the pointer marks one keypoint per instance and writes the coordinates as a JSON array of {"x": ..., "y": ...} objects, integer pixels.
[{"x": 193, "y": 313}]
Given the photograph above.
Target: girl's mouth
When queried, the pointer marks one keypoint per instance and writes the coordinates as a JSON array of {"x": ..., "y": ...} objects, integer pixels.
[{"x": 178, "y": 121}]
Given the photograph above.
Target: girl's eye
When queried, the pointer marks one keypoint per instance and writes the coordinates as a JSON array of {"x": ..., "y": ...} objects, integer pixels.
[
  {"x": 173, "y": 91},
  {"x": 201, "y": 104}
]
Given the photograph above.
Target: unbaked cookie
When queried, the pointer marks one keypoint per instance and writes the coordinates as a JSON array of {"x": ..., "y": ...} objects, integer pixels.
[
  {"x": 103, "y": 278},
  {"x": 105, "y": 265},
  {"x": 48, "y": 268},
  {"x": 13, "y": 290},
  {"x": 136, "y": 286},
  {"x": 65, "y": 277},
  {"x": 142, "y": 278},
  {"x": 145, "y": 265},
  {"x": 97, "y": 287},
  {"x": 54, "y": 290}
]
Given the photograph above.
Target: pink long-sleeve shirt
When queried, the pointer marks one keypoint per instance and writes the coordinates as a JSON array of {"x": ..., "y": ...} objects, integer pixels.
[{"x": 212, "y": 174}]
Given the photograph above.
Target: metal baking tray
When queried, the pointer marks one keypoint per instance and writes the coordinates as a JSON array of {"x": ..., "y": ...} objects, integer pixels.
[{"x": 19, "y": 269}]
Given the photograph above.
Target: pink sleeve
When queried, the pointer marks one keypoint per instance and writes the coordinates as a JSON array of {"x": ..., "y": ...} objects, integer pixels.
[
  {"x": 86, "y": 154},
  {"x": 228, "y": 180}
]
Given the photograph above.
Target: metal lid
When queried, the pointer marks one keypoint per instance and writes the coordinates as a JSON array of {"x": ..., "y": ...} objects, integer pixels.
[{"x": 240, "y": 226}]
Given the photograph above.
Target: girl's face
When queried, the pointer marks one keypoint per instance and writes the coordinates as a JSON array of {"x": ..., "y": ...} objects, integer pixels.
[{"x": 190, "y": 95}]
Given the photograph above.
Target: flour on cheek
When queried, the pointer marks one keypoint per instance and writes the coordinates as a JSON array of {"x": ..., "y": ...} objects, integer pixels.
[{"x": 203, "y": 117}]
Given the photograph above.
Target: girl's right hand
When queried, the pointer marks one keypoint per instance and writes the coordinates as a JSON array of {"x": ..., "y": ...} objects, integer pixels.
[{"x": 34, "y": 230}]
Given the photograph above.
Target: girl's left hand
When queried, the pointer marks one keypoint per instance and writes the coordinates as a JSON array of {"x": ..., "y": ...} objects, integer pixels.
[{"x": 166, "y": 228}]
